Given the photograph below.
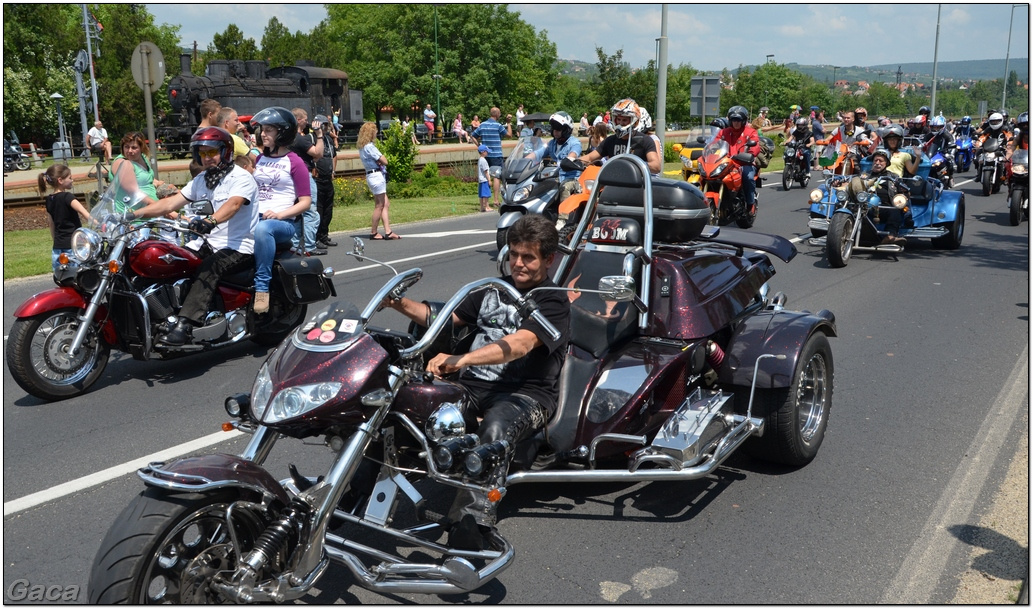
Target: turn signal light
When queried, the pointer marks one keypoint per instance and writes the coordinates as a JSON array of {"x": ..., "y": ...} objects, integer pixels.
[
  {"x": 62, "y": 258},
  {"x": 494, "y": 495},
  {"x": 114, "y": 266},
  {"x": 228, "y": 426}
]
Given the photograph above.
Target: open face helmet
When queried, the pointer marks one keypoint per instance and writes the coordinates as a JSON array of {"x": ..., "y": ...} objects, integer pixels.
[
  {"x": 282, "y": 119},
  {"x": 628, "y": 108},
  {"x": 880, "y": 151},
  {"x": 212, "y": 137}
]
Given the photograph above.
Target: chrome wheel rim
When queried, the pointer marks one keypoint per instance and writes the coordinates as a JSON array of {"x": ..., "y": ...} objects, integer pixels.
[{"x": 812, "y": 396}]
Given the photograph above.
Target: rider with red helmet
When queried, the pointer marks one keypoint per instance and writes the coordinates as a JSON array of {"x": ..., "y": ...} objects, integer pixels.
[{"x": 230, "y": 228}]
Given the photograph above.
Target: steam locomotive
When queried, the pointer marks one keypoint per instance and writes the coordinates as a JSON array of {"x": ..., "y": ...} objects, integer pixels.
[{"x": 250, "y": 86}]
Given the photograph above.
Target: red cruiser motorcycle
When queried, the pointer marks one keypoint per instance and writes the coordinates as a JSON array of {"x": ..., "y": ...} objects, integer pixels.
[
  {"x": 678, "y": 357},
  {"x": 721, "y": 183},
  {"x": 121, "y": 286}
]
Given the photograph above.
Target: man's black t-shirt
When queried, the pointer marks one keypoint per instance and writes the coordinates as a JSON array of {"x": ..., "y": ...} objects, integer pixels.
[
  {"x": 66, "y": 219},
  {"x": 537, "y": 373},
  {"x": 641, "y": 145},
  {"x": 302, "y": 144}
]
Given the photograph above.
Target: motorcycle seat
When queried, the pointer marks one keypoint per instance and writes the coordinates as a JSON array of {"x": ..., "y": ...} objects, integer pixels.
[{"x": 920, "y": 190}]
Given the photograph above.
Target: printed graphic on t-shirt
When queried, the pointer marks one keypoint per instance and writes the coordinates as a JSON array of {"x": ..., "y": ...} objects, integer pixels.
[{"x": 495, "y": 319}]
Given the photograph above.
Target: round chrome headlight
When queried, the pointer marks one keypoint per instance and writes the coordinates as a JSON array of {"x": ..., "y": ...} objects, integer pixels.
[
  {"x": 900, "y": 201},
  {"x": 1019, "y": 170},
  {"x": 841, "y": 195},
  {"x": 862, "y": 197},
  {"x": 445, "y": 422},
  {"x": 816, "y": 195},
  {"x": 85, "y": 244}
]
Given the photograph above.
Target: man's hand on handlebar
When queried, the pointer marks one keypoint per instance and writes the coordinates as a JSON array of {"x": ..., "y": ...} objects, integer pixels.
[{"x": 443, "y": 363}]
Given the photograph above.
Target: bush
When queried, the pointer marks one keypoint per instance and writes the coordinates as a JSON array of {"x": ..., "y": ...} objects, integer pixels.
[
  {"x": 430, "y": 171},
  {"x": 670, "y": 156},
  {"x": 351, "y": 191},
  {"x": 400, "y": 152}
]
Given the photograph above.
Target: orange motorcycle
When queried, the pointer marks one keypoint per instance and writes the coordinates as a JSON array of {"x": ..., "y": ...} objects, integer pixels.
[{"x": 721, "y": 183}]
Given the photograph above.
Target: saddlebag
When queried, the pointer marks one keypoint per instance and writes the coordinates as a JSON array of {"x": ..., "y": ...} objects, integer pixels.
[
  {"x": 301, "y": 279},
  {"x": 679, "y": 209},
  {"x": 767, "y": 147}
]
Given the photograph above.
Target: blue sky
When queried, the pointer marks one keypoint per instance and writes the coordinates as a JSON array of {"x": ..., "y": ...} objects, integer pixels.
[{"x": 707, "y": 36}]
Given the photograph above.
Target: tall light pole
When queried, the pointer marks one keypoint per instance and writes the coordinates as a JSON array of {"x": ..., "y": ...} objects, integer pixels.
[
  {"x": 767, "y": 60},
  {"x": 437, "y": 74},
  {"x": 834, "y": 70},
  {"x": 1007, "y": 56},
  {"x": 936, "y": 53}
]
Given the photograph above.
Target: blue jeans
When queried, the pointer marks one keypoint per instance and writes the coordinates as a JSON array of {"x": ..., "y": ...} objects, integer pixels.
[
  {"x": 268, "y": 235},
  {"x": 311, "y": 217},
  {"x": 749, "y": 184},
  {"x": 54, "y": 253}
]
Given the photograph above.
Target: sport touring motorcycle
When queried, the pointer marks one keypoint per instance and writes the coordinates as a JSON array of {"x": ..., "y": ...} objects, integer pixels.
[
  {"x": 529, "y": 186},
  {"x": 124, "y": 285},
  {"x": 678, "y": 357}
]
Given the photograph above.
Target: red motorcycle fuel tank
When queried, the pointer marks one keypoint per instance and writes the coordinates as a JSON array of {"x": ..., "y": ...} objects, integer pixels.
[{"x": 156, "y": 259}]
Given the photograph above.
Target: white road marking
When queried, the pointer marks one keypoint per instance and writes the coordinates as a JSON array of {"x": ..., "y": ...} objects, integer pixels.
[
  {"x": 411, "y": 258},
  {"x": 920, "y": 571},
  {"x": 74, "y": 486}
]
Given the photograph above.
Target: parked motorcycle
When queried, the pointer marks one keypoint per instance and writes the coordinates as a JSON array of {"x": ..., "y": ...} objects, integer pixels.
[
  {"x": 678, "y": 357},
  {"x": 721, "y": 183},
  {"x": 963, "y": 153},
  {"x": 529, "y": 186},
  {"x": 796, "y": 167},
  {"x": 990, "y": 163},
  {"x": 1018, "y": 187},
  {"x": 14, "y": 158},
  {"x": 124, "y": 285}
]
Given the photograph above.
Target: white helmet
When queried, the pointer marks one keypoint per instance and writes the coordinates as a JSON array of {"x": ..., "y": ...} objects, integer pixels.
[
  {"x": 995, "y": 121},
  {"x": 645, "y": 121}
]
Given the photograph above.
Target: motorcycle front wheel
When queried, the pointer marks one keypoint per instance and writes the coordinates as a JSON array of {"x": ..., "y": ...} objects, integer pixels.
[
  {"x": 21, "y": 165},
  {"x": 167, "y": 548},
  {"x": 839, "y": 243},
  {"x": 987, "y": 182},
  {"x": 39, "y": 359},
  {"x": 787, "y": 177},
  {"x": 796, "y": 416},
  {"x": 1015, "y": 197}
]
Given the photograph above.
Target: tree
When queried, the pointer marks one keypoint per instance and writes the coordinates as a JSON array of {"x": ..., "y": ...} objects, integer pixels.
[
  {"x": 279, "y": 46},
  {"x": 679, "y": 91},
  {"x": 883, "y": 100},
  {"x": 231, "y": 44}
]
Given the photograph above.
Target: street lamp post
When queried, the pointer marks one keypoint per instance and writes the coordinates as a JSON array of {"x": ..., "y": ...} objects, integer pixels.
[
  {"x": 834, "y": 70},
  {"x": 437, "y": 75},
  {"x": 767, "y": 60},
  {"x": 1007, "y": 56}
]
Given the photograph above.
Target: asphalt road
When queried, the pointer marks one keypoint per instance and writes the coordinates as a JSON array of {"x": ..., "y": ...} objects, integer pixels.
[{"x": 931, "y": 382}]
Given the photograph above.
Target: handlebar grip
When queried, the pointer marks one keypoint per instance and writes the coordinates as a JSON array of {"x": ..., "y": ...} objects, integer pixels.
[{"x": 550, "y": 329}]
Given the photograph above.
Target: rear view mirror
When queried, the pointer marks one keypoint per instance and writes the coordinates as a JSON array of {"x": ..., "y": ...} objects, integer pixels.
[
  {"x": 200, "y": 208},
  {"x": 495, "y": 172},
  {"x": 617, "y": 288}
]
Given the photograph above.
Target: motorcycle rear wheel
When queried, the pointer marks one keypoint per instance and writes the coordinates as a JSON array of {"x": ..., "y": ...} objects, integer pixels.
[
  {"x": 279, "y": 323},
  {"x": 796, "y": 416},
  {"x": 1015, "y": 197},
  {"x": 37, "y": 355},
  {"x": 839, "y": 243},
  {"x": 166, "y": 548}
]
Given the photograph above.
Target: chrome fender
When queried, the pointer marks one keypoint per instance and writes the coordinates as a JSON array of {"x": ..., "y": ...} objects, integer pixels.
[{"x": 209, "y": 472}]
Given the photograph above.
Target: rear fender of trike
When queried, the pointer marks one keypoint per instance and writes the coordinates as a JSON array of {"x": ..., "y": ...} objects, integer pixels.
[
  {"x": 945, "y": 208},
  {"x": 777, "y": 333},
  {"x": 213, "y": 472},
  {"x": 65, "y": 298}
]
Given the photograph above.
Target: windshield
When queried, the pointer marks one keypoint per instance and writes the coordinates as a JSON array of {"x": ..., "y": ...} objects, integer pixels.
[
  {"x": 123, "y": 195},
  {"x": 708, "y": 132},
  {"x": 517, "y": 166},
  {"x": 716, "y": 149}
]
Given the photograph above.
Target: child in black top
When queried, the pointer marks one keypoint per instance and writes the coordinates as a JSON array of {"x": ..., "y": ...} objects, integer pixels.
[{"x": 63, "y": 209}]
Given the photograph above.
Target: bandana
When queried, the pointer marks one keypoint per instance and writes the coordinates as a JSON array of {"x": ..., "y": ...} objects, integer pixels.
[{"x": 214, "y": 175}]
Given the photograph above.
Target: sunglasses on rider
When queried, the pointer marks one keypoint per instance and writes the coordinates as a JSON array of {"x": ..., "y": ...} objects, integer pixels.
[{"x": 206, "y": 153}]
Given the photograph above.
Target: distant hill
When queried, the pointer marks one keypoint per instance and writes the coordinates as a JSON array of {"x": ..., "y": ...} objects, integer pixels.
[{"x": 960, "y": 71}]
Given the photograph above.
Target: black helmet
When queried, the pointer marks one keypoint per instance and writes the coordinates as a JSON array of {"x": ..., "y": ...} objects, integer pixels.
[
  {"x": 284, "y": 121},
  {"x": 738, "y": 113},
  {"x": 924, "y": 110},
  {"x": 1023, "y": 119},
  {"x": 212, "y": 137},
  {"x": 719, "y": 122},
  {"x": 561, "y": 121},
  {"x": 803, "y": 123}
]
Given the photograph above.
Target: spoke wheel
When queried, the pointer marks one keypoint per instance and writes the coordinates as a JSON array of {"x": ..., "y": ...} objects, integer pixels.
[{"x": 40, "y": 359}]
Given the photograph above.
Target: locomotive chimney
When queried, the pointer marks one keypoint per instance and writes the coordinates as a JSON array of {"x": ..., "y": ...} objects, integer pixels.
[{"x": 184, "y": 64}]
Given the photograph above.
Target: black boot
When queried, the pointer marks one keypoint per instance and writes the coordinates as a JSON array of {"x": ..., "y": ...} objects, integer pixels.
[
  {"x": 180, "y": 334},
  {"x": 468, "y": 535}
]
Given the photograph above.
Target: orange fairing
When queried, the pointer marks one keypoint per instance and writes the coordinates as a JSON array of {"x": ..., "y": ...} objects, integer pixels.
[
  {"x": 732, "y": 180},
  {"x": 574, "y": 201}
]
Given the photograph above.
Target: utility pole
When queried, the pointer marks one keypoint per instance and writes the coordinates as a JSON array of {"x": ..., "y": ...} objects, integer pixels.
[
  {"x": 661, "y": 81},
  {"x": 1007, "y": 56},
  {"x": 936, "y": 52},
  {"x": 91, "y": 32}
]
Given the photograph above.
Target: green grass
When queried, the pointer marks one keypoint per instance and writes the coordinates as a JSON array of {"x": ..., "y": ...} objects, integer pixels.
[{"x": 27, "y": 252}]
